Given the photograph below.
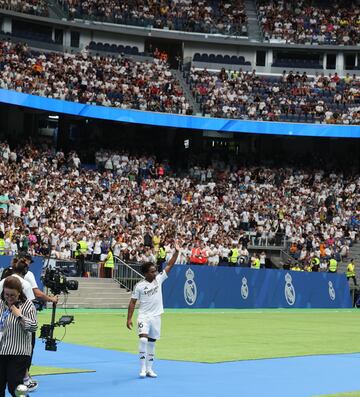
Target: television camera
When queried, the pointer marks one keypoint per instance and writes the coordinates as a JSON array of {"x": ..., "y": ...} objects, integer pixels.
[{"x": 57, "y": 283}]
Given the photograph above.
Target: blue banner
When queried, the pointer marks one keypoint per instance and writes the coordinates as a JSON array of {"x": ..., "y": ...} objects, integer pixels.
[
  {"x": 224, "y": 287},
  {"x": 178, "y": 121},
  {"x": 35, "y": 267}
]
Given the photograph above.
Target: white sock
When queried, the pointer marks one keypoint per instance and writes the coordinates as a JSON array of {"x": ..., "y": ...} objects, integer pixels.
[
  {"x": 142, "y": 352},
  {"x": 150, "y": 355}
]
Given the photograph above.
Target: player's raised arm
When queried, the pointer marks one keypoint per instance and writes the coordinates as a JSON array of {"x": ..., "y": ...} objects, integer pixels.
[
  {"x": 173, "y": 259},
  {"x": 131, "y": 309}
]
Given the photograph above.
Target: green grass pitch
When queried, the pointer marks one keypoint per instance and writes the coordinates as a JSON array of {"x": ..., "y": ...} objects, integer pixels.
[
  {"x": 352, "y": 394},
  {"x": 218, "y": 335}
]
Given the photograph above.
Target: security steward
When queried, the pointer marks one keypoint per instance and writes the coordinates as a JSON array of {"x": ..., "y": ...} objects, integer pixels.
[
  {"x": 161, "y": 257},
  {"x": 233, "y": 257},
  {"x": 332, "y": 265},
  {"x": 350, "y": 271},
  {"x": 80, "y": 254},
  {"x": 315, "y": 264},
  {"x": 255, "y": 262},
  {"x": 109, "y": 264}
]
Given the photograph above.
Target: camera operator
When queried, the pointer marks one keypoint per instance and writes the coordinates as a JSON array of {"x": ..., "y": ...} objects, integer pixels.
[
  {"x": 17, "y": 322},
  {"x": 30, "y": 278},
  {"x": 18, "y": 270},
  {"x": 32, "y": 384}
]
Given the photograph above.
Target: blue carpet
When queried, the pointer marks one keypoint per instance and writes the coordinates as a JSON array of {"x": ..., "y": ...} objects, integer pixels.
[{"x": 116, "y": 375}]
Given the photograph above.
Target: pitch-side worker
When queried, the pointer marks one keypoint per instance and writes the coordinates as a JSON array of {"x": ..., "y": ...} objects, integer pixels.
[{"x": 149, "y": 294}]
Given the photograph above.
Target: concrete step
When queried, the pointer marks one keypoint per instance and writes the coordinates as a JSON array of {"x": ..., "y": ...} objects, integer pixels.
[
  {"x": 89, "y": 286},
  {"x": 110, "y": 298},
  {"x": 98, "y": 305},
  {"x": 98, "y": 293},
  {"x": 86, "y": 280}
]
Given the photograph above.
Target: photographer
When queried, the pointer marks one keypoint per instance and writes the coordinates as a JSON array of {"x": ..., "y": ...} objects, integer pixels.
[{"x": 17, "y": 322}]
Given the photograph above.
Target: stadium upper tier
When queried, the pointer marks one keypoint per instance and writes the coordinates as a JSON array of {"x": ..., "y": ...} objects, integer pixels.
[
  {"x": 294, "y": 21},
  {"x": 292, "y": 97},
  {"x": 205, "y": 16},
  {"x": 106, "y": 81},
  {"x": 310, "y": 21},
  {"x": 150, "y": 86},
  {"x": 34, "y": 7}
]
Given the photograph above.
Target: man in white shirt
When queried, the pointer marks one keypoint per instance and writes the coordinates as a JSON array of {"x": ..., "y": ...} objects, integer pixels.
[
  {"x": 149, "y": 294},
  {"x": 25, "y": 285}
]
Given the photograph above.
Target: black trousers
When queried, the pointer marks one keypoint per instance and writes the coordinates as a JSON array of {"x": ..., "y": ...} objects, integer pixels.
[
  {"x": 80, "y": 265},
  {"x": 353, "y": 278},
  {"x": 108, "y": 272},
  {"x": 12, "y": 372}
]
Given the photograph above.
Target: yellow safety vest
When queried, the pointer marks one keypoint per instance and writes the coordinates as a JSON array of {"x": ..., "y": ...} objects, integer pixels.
[
  {"x": 256, "y": 264},
  {"x": 350, "y": 271},
  {"x": 315, "y": 261},
  {"x": 235, "y": 255},
  {"x": 162, "y": 253},
  {"x": 83, "y": 248},
  {"x": 109, "y": 260},
  {"x": 332, "y": 265},
  {"x": 2, "y": 246}
]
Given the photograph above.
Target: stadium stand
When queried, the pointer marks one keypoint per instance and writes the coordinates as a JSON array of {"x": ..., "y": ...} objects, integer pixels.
[
  {"x": 34, "y": 7},
  {"x": 101, "y": 80},
  {"x": 133, "y": 201},
  {"x": 310, "y": 21},
  {"x": 292, "y": 97},
  {"x": 206, "y": 16}
]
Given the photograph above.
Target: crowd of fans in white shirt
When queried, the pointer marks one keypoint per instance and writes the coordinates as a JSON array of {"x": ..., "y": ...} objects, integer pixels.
[{"x": 134, "y": 204}]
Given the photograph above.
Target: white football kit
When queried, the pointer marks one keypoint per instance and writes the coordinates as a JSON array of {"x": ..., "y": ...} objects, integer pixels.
[{"x": 151, "y": 306}]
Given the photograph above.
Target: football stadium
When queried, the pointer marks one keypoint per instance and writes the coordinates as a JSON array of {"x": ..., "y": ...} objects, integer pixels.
[{"x": 179, "y": 198}]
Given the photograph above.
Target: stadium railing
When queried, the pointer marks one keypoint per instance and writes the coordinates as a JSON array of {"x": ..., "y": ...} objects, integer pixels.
[{"x": 127, "y": 275}]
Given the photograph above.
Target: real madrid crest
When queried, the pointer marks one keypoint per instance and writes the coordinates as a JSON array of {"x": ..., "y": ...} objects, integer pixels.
[
  {"x": 332, "y": 293},
  {"x": 290, "y": 295},
  {"x": 190, "y": 290},
  {"x": 244, "y": 288}
]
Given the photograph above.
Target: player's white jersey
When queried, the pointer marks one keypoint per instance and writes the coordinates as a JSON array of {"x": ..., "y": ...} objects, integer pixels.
[{"x": 150, "y": 296}]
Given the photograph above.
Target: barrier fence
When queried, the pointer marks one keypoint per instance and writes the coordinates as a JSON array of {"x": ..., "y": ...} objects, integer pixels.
[{"x": 224, "y": 287}]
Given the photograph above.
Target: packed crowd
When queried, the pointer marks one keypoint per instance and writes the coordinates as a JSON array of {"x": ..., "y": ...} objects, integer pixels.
[
  {"x": 135, "y": 205},
  {"x": 107, "y": 81},
  {"x": 308, "y": 22},
  {"x": 206, "y": 16},
  {"x": 245, "y": 95},
  {"x": 35, "y": 7}
]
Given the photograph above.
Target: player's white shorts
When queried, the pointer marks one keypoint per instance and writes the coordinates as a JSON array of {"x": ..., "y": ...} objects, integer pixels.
[{"x": 150, "y": 326}]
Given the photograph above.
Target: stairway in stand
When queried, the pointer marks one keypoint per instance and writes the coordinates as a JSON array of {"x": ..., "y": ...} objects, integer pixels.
[
  {"x": 96, "y": 293},
  {"x": 353, "y": 254}
]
